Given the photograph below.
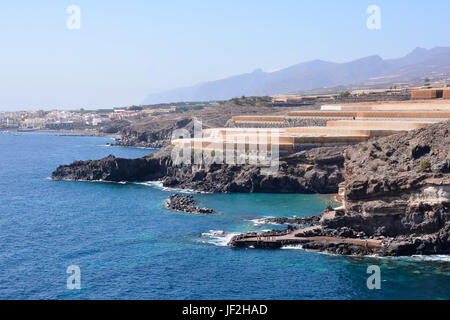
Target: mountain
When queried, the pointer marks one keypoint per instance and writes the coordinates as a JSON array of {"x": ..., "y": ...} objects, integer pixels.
[
  {"x": 419, "y": 55},
  {"x": 311, "y": 75}
]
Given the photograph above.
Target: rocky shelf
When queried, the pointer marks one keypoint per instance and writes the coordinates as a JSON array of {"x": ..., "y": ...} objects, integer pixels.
[{"x": 312, "y": 220}]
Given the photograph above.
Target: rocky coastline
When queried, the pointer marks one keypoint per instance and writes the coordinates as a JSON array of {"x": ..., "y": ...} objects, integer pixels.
[
  {"x": 395, "y": 191},
  {"x": 312, "y": 220},
  {"x": 186, "y": 203},
  {"x": 396, "y": 200},
  {"x": 311, "y": 171}
]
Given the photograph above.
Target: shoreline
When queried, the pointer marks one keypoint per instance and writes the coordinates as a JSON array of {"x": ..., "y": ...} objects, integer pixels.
[
  {"x": 337, "y": 197},
  {"x": 389, "y": 187},
  {"x": 76, "y": 132},
  {"x": 310, "y": 237},
  {"x": 291, "y": 239}
]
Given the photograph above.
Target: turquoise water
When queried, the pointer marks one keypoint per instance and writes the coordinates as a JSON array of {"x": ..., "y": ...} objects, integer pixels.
[{"x": 129, "y": 246}]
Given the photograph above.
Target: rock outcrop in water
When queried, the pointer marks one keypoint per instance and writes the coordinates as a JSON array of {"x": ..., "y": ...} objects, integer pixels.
[
  {"x": 311, "y": 171},
  {"x": 186, "y": 203},
  {"x": 150, "y": 168}
]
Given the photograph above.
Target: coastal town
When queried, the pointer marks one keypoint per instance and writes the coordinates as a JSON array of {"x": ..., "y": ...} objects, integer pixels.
[{"x": 79, "y": 119}]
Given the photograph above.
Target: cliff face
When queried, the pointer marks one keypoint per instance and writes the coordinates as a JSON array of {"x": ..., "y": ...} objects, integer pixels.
[
  {"x": 152, "y": 134},
  {"x": 399, "y": 187},
  {"x": 156, "y": 131},
  {"x": 313, "y": 171},
  {"x": 113, "y": 169}
]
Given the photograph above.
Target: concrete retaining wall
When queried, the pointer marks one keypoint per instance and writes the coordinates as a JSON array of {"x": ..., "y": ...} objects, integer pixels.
[
  {"x": 330, "y": 139},
  {"x": 371, "y": 132},
  {"x": 289, "y": 122},
  {"x": 426, "y": 94},
  {"x": 446, "y": 93},
  {"x": 258, "y": 118},
  {"x": 226, "y": 145},
  {"x": 398, "y": 107},
  {"x": 373, "y": 114},
  {"x": 399, "y": 125}
]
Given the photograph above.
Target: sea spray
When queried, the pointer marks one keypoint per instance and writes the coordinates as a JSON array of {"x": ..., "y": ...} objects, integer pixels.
[{"x": 217, "y": 237}]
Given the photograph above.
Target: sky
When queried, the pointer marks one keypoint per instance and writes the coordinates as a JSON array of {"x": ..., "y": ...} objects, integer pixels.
[{"x": 125, "y": 50}]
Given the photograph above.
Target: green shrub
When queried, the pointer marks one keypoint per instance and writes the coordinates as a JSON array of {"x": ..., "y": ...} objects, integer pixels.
[
  {"x": 344, "y": 94},
  {"x": 425, "y": 165}
]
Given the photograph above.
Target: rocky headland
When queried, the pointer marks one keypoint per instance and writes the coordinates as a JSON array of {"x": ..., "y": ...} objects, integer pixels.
[
  {"x": 398, "y": 187},
  {"x": 312, "y": 171},
  {"x": 396, "y": 200}
]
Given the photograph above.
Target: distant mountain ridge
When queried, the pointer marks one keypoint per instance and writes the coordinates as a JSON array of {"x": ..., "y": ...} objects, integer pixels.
[{"x": 311, "y": 75}]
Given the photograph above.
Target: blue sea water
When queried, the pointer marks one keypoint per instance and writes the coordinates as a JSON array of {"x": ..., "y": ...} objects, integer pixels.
[{"x": 129, "y": 246}]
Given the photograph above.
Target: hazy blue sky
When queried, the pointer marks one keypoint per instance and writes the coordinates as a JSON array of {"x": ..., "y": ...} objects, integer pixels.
[{"x": 128, "y": 49}]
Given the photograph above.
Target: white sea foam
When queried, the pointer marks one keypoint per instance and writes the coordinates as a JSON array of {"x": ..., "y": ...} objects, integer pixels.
[
  {"x": 261, "y": 222},
  {"x": 159, "y": 185},
  {"x": 437, "y": 257},
  {"x": 91, "y": 181},
  {"x": 258, "y": 222},
  {"x": 217, "y": 237},
  {"x": 415, "y": 258},
  {"x": 153, "y": 184},
  {"x": 118, "y": 146},
  {"x": 156, "y": 184},
  {"x": 292, "y": 247}
]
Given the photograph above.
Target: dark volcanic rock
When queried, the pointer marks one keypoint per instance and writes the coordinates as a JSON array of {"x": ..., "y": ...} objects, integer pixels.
[
  {"x": 337, "y": 248},
  {"x": 312, "y": 171},
  {"x": 152, "y": 134},
  {"x": 186, "y": 203},
  {"x": 307, "y": 220},
  {"x": 398, "y": 187},
  {"x": 150, "y": 168},
  {"x": 396, "y": 191}
]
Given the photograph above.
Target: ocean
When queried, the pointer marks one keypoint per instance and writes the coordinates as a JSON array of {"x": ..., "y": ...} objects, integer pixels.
[{"x": 129, "y": 246}]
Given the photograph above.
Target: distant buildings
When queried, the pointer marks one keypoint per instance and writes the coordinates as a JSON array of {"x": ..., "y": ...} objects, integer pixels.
[{"x": 63, "y": 119}]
